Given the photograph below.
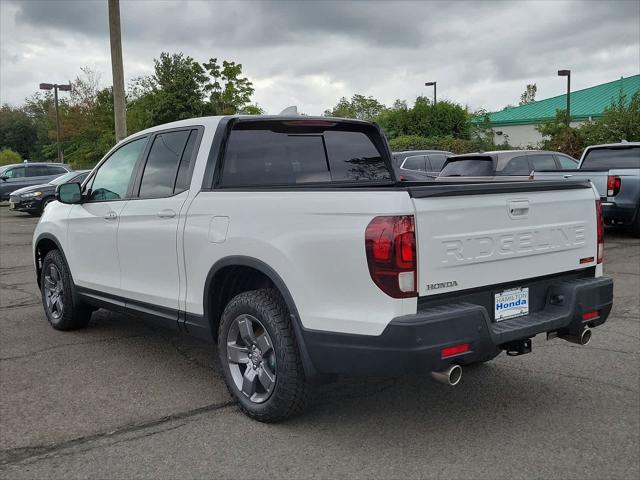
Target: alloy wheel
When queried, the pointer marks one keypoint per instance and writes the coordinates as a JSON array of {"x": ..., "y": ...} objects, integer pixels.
[
  {"x": 53, "y": 292},
  {"x": 251, "y": 358}
]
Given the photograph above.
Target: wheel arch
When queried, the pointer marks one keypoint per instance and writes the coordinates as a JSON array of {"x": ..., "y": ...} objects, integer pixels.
[
  {"x": 265, "y": 276},
  {"x": 43, "y": 245}
]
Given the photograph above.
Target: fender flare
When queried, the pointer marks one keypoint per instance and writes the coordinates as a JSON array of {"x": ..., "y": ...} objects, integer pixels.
[
  {"x": 276, "y": 279},
  {"x": 46, "y": 236}
]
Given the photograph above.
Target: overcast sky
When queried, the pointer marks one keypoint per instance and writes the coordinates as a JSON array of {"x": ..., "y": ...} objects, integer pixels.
[{"x": 482, "y": 54}]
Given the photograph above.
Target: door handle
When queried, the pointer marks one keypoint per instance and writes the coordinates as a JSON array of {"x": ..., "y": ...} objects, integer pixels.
[
  {"x": 567, "y": 176},
  {"x": 111, "y": 215},
  {"x": 166, "y": 213}
]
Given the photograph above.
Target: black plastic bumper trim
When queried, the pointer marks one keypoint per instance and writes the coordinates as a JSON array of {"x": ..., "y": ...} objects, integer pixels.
[{"x": 413, "y": 343}]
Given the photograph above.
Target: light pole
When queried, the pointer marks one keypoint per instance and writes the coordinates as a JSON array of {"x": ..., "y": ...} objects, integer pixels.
[
  {"x": 55, "y": 87},
  {"x": 567, "y": 73},
  {"x": 432, "y": 84}
]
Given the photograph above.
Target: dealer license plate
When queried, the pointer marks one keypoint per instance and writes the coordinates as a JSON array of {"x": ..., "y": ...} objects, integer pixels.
[{"x": 511, "y": 303}]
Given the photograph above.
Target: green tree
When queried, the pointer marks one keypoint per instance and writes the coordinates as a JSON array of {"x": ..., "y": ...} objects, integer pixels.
[
  {"x": 174, "y": 92},
  {"x": 8, "y": 157},
  {"x": 360, "y": 107},
  {"x": 621, "y": 120},
  {"x": 425, "y": 119},
  {"x": 17, "y": 131},
  {"x": 229, "y": 92},
  {"x": 182, "y": 88},
  {"x": 529, "y": 94}
]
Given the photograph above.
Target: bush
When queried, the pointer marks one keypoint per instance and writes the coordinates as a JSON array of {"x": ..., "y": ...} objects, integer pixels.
[
  {"x": 8, "y": 156},
  {"x": 447, "y": 143},
  {"x": 621, "y": 120}
]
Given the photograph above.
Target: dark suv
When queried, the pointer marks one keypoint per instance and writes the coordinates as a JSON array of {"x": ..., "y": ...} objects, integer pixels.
[{"x": 20, "y": 175}]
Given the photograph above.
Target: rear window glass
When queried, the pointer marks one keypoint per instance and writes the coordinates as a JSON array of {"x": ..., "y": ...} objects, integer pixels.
[
  {"x": 472, "y": 167},
  {"x": 278, "y": 153},
  {"x": 414, "y": 163},
  {"x": 612, "y": 158}
]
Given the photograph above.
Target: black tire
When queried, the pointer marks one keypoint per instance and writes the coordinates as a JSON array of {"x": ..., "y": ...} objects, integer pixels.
[
  {"x": 68, "y": 314},
  {"x": 635, "y": 226},
  {"x": 290, "y": 394},
  {"x": 45, "y": 202}
]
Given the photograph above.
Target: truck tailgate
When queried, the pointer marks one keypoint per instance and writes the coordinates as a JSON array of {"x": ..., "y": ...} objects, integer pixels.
[
  {"x": 597, "y": 177},
  {"x": 496, "y": 233}
]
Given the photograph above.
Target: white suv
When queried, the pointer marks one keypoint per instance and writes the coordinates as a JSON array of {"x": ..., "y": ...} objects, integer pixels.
[{"x": 289, "y": 241}]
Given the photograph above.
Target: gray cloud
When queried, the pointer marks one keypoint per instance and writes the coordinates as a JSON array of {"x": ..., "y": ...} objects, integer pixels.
[{"x": 311, "y": 53}]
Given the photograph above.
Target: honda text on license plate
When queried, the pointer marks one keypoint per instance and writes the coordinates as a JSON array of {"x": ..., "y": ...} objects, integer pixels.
[{"x": 511, "y": 303}]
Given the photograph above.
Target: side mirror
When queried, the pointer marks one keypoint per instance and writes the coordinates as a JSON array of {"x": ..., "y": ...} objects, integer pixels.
[
  {"x": 4, "y": 178},
  {"x": 69, "y": 193}
]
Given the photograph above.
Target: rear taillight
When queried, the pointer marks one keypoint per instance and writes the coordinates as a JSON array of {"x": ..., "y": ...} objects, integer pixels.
[
  {"x": 390, "y": 243},
  {"x": 613, "y": 185},
  {"x": 600, "y": 228}
]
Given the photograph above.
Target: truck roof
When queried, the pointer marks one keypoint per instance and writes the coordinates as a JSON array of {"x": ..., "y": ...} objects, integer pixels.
[{"x": 212, "y": 121}]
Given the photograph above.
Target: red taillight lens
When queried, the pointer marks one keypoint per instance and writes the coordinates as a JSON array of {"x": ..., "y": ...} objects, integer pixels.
[
  {"x": 613, "y": 185},
  {"x": 590, "y": 315},
  {"x": 600, "y": 228},
  {"x": 455, "y": 350},
  {"x": 390, "y": 244}
]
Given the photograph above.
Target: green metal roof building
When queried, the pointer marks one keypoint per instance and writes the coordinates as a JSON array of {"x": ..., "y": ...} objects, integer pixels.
[{"x": 585, "y": 104}]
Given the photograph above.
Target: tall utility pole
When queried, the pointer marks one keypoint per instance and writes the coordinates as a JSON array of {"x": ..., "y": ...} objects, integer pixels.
[
  {"x": 119, "y": 107},
  {"x": 432, "y": 84},
  {"x": 567, "y": 73},
  {"x": 55, "y": 87}
]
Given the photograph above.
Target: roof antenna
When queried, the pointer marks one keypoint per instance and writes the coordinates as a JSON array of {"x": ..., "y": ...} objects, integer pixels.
[{"x": 292, "y": 110}]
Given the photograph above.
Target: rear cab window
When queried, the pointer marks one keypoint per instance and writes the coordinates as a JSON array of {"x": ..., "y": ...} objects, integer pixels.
[
  {"x": 296, "y": 152},
  {"x": 477, "y": 166},
  {"x": 612, "y": 157}
]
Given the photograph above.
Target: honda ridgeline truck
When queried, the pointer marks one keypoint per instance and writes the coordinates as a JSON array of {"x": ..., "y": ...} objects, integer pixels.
[{"x": 290, "y": 242}]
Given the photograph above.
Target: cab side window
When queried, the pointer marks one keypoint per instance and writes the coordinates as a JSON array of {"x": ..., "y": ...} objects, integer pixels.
[
  {"x": 111, "y": 181},
  {"x": 167, "y": 167},
  {"x": 566, "y": 163},
  {"x": 15, "y": 172}
]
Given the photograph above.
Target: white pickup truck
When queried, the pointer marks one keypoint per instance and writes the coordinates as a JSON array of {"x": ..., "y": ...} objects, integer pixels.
[{"x": 289, "y": 242}]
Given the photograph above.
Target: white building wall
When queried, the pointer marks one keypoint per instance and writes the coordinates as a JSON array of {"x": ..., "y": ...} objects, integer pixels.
[{"x": 521, "y": 136}]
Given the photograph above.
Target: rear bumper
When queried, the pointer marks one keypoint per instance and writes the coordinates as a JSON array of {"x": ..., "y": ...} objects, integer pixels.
[
  {"x": 616, "y": 214},
  {"x": 413, "y": 343}
]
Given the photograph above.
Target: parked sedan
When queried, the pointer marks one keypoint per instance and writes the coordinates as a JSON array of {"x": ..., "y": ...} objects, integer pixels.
[
  {"x": 506, "y": 163},
  {"x": 34, "y": 199},
  {"x": 19, "y": 175},
  {"x": 419, "y": 164}
]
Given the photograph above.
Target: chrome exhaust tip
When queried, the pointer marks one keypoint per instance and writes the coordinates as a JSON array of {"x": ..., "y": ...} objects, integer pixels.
[
  {"x": 451, "y": 376},
  {"x": 582, "y": 339}
]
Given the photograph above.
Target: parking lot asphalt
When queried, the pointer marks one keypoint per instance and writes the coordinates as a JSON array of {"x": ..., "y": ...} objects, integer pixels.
[{"x": 124, "y": 399}]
